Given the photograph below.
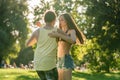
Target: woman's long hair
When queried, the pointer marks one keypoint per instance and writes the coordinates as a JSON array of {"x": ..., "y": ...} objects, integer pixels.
[{"x": 72, "y": 25}]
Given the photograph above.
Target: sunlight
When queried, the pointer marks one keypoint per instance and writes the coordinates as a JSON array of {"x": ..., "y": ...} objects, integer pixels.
[
  {"x": 81, "y": 9},
  {"x": 31, "y": 5},
  {"x": 47, "y": 1}
]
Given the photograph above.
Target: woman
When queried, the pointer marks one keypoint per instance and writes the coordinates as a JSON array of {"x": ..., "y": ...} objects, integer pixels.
[{"x": 67, "y": 35}]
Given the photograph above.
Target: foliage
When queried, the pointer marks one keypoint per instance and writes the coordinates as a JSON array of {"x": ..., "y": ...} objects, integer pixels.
[
  {"x": 105, "y": 16},
  {"x": 13, "y": 27},
  {"x": 25, "y": 56},
  {"x": 78, "y": 52},
  {"x": 59, "y": 6}
]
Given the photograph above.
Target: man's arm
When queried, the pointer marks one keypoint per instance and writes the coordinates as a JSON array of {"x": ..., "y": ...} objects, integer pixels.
[{"x": 33, "y": 39}]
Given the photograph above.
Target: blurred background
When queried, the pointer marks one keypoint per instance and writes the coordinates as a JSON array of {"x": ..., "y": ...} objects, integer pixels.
[{"x": 98, "y": 19}]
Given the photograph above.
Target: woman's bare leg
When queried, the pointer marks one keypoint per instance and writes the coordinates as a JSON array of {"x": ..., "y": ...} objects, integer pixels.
[
  {"x": 67, "y": 74},
  {"x": 60, "y": 74}
]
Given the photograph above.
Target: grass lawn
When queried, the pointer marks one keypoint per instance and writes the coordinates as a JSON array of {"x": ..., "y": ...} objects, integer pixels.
[{"x": 21, "y": 74}]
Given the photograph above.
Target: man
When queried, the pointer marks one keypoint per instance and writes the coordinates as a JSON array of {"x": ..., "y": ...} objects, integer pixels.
[{"x": 45, "y": 53}]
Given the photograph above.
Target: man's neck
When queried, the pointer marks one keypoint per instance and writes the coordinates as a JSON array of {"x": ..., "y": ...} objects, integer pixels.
[{"x": 48, "y": 26}]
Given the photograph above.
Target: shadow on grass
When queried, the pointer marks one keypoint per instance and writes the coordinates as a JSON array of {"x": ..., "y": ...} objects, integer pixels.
[
  {"x": 96, "y": 76},
  {"x": 26, "y": 77}
]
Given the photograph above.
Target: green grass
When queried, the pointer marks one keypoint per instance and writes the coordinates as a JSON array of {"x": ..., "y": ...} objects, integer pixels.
[
  {"x": 95, "y": 76},
  {"x": 17, "y": 74},
  {"x": 21, "y": 74}
]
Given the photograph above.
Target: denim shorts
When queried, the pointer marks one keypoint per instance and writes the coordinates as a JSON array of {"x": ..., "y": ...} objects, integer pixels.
[
  {"x": 65, "y": 62},
  {"x": 48, "y": 75}
]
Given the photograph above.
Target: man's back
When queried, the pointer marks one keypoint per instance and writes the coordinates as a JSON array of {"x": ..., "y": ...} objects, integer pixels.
[{"x": 45, "y": 53}]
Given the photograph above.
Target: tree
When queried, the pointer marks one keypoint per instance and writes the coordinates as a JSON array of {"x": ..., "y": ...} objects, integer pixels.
[
  {"x": 13, "y": 27},
  {"x": 25, "y": 56},
  {"x": 105, "y": 16}
]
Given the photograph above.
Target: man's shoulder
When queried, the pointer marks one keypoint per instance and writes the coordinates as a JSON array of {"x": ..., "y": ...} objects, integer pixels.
[{"x": 36, "y": 31}]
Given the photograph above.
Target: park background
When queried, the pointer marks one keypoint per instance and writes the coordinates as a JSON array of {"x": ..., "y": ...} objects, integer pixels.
[{"x": 98, "y": 19}]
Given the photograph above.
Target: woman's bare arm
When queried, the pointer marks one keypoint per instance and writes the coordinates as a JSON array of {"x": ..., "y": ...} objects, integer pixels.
[
  {"x": 66, "y": 37},
  {"x": 62, "y": 32}
]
